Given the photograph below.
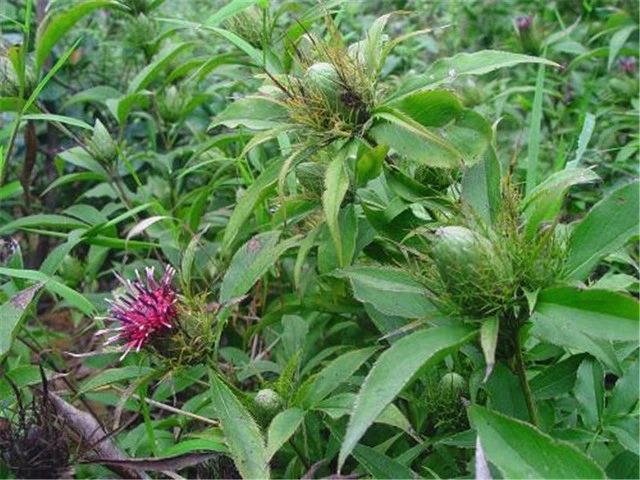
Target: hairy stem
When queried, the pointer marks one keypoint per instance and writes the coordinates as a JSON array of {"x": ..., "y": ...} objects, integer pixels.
[{"x": 524, "y": 383}]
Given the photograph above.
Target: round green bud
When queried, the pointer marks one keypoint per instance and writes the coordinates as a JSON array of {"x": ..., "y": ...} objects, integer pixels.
[{"x": 453, "y": 382}]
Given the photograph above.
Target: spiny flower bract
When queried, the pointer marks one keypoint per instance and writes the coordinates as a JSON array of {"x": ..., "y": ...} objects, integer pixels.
[{"x": 145, "y": 310}]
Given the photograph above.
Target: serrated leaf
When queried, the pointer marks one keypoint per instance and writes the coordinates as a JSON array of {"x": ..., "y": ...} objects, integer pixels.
[
  {"x": 521, "y": 451},
  {"x": 447, "y": 70},
  {"x": 394, "y": 370},
  {"x": 240, "y": 429}
]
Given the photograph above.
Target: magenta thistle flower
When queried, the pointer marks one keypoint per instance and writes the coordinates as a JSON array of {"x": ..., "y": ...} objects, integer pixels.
[
  {"x": 146, "y": 309},
  {"x": 627, "y": 64},
  {"x": 524, "y": 23}
]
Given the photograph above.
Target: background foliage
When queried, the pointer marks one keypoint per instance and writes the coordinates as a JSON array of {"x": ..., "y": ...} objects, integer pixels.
[{"x": 405, "y": 235}]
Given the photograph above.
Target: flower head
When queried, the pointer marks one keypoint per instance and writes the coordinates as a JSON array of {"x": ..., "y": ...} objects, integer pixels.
[
  {"x": 524, "y": 23},
  {"x": 147, "y": 309},
  {"x": 627, "y": 64}
]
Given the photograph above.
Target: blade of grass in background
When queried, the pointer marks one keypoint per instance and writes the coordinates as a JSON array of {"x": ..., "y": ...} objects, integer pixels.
[{"x": 534, "y": 131}]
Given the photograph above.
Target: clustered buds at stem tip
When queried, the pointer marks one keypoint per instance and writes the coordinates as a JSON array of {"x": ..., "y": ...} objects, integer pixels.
[{"x": 147, "y": 308}]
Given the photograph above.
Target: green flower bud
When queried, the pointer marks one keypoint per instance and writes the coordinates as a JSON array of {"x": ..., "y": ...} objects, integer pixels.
[
  {"x": 473, "y": 273},
  {"x": 102, "y": 145},
  {"x": 322, "y": 79},
  {"x": 453, "y": 382},
  {"x": 171, "y": 104},
  {"x": 269, "y": 401}
]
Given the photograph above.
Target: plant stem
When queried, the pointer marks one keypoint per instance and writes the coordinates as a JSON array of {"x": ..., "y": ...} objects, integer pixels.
[{"x": 524, "y": 383}]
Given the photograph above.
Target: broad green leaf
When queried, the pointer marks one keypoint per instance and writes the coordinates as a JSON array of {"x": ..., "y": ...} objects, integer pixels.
[
  {"x": 598, "y": 313},
  {"x": 113, "y": 375},
  {"x": 447, "y": 70},
  {"x": 481, "y": 186},
  {"x": 624, "y": 396},
  {"x": 336, "y": 184},
  {"x": 149, "y": 73},
  {"x": 556, "y": 380},
  {"x": 57, "y": 24},
  {"x": 242, "y": 435},
  {"x": 12, "y": 314},
  {"x": 489, "y": 341},
  {"x": 74, "y": 298},
  {"x": 121, "y": 107},
  {"x": 544, "y": 202},
  {"x": 390, "y": 291},
  {"x": 334, "y": 374},
  {"x": 460, "y": 142},
  {"x": 393, "y": 370},
  {"x": 521, "y": 451},
  {"x": 281, "y": 428},
  {"x": 246, "y": 205},
  {"x": 369, "y": 162},
  {"x": 609, "y": 225},
  {"x": 251, "y": 261},
  {"x": 256, "y": 113},
  {"x": 589, "y": 392}
]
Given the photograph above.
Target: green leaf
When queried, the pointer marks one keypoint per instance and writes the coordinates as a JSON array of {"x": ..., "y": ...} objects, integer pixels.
[
  {"x": 481, "y": 186},
  {"x": 369, "y": 163},
  {"x": 447, "y": 70},
  {"x": 281, "y": 428},
  {"x": 521, "y": 451},
  {"x": 544, "y": 202},
  {"x": 334, "y": 374},
  {"x": 488, "y": 341},
  {"x": 74, "y": 298},
  {"x": 229, "y": 10},
  {"x": 251, "y": 261},
  {"x": 149, "y": 73},
  {"x": 609, "y": 225},
  {"x": 113, "y": 375},
  {"x": 533, "y": 142},
  {"x": 394, "y": 370},
  {"x": 12, "y": 314},
  {"x": 389, "y": 291},
  {"x": 57, "y": 24},
  {"x": 598, "y": 313},
  {"x": 242, "y": 435},
  {"x": 336, "y": 184},
  {"x": 48, "y": 117},
  {"x": 617, "y": 42},
  {"x": 256, "y": 113},
  {"x": 556, "y": 380},
  {"x": 462, "y": 141},
  {"x": 589, "y": 392},
  {"x": 583, "y": 140},
  {"x": 247, "y": 204},
  {"x": 625, "y": 393},
  {"x": 41, "y": 220}
]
